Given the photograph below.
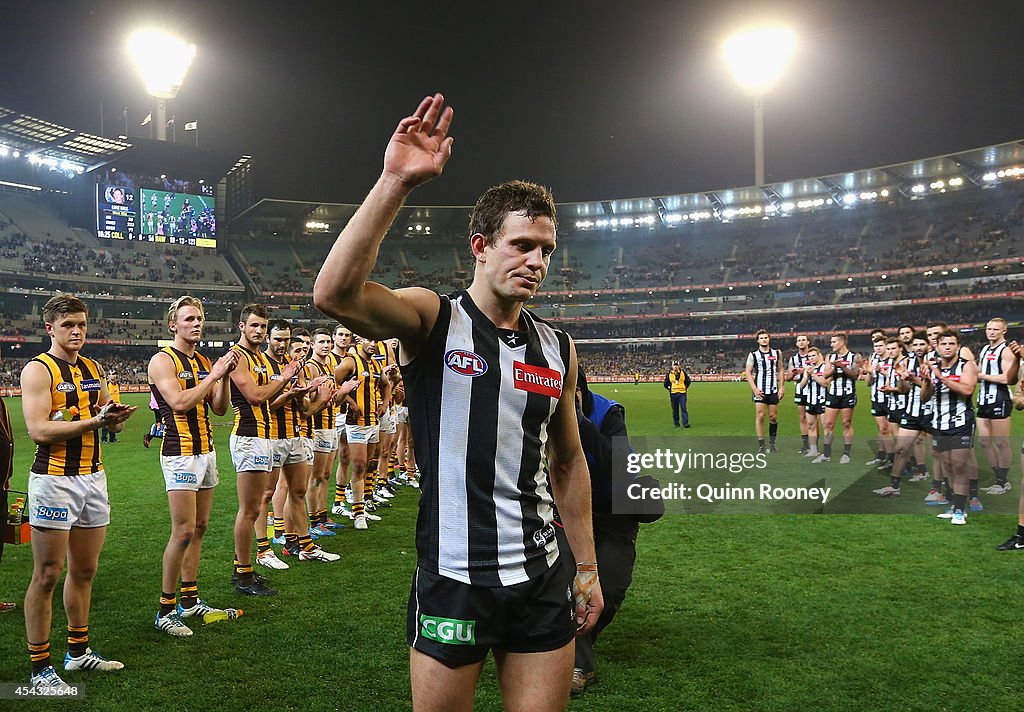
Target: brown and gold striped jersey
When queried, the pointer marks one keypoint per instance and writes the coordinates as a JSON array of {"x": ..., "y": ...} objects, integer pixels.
[
  {"x": 367, "y": 394},
  {"x": 285, "y": 421},
  {"x": 74, "y": 393},
  {"x": 251, "y": 420},
  {"x": 186, "y": 433},
  {"x": 324, "y": 420}
]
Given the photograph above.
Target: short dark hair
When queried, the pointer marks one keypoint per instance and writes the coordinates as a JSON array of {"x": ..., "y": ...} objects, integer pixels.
[
  {"x": 300, "y": 331},
  {"x": 948, "y": 334},
  {"x": 514, "y": 196},
  {"x": 253, "y": 310},
  {"x": 761, "y": 331},
  {"x": 321, "y": 330},
  {"x": 279, "y": 325},
  {"x": 840, "y": 335},
  {"x": 922, "y": 335}
]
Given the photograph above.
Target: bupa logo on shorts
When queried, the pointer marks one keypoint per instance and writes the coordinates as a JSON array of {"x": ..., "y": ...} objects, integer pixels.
[
  {"x": 465, "y": 363},
  {"x": 64, "y": 387},
  {"x": 450, "y": 631},
  {"x": 51, "y": 514},
  {"x": 261, "y": 460},
  {"x": 322, "y": 443},
  {"x": 537, "y": 379},
  {"x": 185, "y": 478},
  {"x": 91, "y": 384},
  {"x": 184, "y": 375}
]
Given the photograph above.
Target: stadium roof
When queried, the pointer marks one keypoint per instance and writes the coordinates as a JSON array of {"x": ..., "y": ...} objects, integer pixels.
[
  {"x": 33, "y": 136},
  {"x": 911, "y": 179}
]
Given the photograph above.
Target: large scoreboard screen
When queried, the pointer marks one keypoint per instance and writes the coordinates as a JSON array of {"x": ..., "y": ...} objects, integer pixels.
[
  {"x": 116, "y": 216},
  {"x": 130, "y": 207},
  {"x": 177, "y": 218}
]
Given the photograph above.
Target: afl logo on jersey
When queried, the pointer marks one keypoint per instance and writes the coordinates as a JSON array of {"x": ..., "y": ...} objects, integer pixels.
[
  {"x": 465, "y": 363},
  {"x": 64, "y": 387},
  {"x": 184, "y": 375}
]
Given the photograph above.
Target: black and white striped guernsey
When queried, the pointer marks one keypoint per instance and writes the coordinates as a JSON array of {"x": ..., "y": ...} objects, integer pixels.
[
  {"x": 881, "y": 377},
  {"x": 796, "y": 364},
  {"x": 842, "y": 385},
  {"x": 914, "y": 408},
  {"x": 951, "y": 410},
  {"x": 766, "y": 369},
  {"x": 895, "y": 401},
  {"x": 480, "y": 403},
  {"x": 990, "y": 363},
  {"x": 814, "y": 392}
]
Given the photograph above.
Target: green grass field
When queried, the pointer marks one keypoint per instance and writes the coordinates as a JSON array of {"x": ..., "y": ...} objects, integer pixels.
[{"x": 754, "y": 611}]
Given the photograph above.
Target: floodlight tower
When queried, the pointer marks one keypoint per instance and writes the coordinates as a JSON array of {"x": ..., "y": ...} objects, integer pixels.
[
  {"x": 162, "y": 61},
  {"x": 757, "y": 59}
]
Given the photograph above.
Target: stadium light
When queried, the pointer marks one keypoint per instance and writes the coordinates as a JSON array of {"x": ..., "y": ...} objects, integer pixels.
[
  {"x": 162, "y": 61},
  {"x": 757, "y": 59}
]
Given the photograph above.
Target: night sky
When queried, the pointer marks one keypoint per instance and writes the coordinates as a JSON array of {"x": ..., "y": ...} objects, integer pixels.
[{"x": 594, "y": 99}]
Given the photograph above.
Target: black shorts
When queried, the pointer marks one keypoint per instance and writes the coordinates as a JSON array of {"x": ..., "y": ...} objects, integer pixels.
[
  {"x": 996, "y": 411},
  {"x": 921, "y": 423},
  {"x": 895, "y": 415},
  {"x": 798, "y": 399},
  {"x": 457, "y": 623},
  {"x": 879, "y": 410},
  {"x": 841, "y": 402},
  {"x": 816, "y": 409},
  {"x": 767, "y": 398},
  {"x": 961, "y": 438}
]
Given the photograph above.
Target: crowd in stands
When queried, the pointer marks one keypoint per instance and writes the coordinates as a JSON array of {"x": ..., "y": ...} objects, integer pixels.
[
  {"x": 160, "y": 263},
  {"x": 128, "y": 364}
]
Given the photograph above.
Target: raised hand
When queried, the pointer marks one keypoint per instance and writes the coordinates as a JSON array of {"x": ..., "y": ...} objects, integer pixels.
[
  {"x": 348, "y": 386},
  {"x": 420, "y": 146},
  {"x": 224, "y": 365},
  {"x": 291, "y": 368}
]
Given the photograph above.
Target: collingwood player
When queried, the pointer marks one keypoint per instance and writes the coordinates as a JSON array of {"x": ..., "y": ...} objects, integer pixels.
[
  {"x": 913, "y": 381},
  {"x": 942, "y": 495},
  {"x": 186, "y": 388},
  {"x": 997, "y": 371},
  {"x": 480, "y": 370},
  {"x": 814, "y": 385},
  {"x": 764, "y": 374},
  {"x": 1016, "y": 542},
  {"x": 876, "y": 372},
  {"x": 843, "y": 369},
  {"x": 955, "y": 379},
  {"x": 795, "y": 372},
  {"x": 64, "y": 402}
]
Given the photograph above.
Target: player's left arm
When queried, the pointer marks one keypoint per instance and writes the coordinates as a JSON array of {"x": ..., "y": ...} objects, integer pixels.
[
  {"x": 1008, "y": 377},
  {"x": 570, "y": 484}
]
